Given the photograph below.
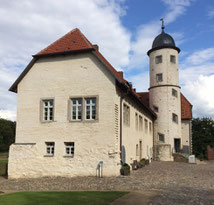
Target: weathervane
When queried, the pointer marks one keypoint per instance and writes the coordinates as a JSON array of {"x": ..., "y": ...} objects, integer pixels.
[{"x": 162, "y": 25}]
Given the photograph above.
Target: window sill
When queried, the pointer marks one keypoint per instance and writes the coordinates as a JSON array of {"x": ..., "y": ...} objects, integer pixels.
[
  {"x": 68, "y": 156},
  {"x": 48, "y": 121},
  {"x": 48, "y": 155}
]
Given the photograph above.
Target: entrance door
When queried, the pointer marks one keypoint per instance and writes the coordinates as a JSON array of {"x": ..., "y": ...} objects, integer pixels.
[
  {"x": 177, "y": 144},
  {"x": 140, "y": 150}
]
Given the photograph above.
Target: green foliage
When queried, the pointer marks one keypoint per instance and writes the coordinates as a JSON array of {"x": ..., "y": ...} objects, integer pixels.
[
  {"x": 202, "y": 135},
  {"x": 7, "y": 134},
  {"x": 62, "y": 198}
]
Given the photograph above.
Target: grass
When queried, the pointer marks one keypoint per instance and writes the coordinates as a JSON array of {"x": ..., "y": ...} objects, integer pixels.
[
  {"x": 60, "y": 198},
  {"x": 3, "y": 163}
]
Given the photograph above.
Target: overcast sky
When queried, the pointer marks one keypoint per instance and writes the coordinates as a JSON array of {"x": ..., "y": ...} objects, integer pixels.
[{"x": 124, "y": 31}]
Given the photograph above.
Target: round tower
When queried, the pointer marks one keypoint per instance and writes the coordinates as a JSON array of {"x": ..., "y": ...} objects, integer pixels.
[{"x": 164, "y": 96}]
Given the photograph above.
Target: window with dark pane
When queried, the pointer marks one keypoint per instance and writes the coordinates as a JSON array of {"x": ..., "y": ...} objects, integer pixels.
[
  {"x": 76, "y": 109},
  {"x": 161, "y": 137},
  {"x": 172, "y": 59},
  {"x": 90, "y": 104},
  {"x": 174, "y": 92},
  {"x": 50, "y": 148},
  {"x": 48, "y": 106},
  {"x": 174, "y": 117},
  {"x": 159, "y": 77},
  {"x": 155, "y": 108},
  {"x": 126, "y": 114},
  {"x": 69, "y": 148},
  {"x": 158, "y": 59}
]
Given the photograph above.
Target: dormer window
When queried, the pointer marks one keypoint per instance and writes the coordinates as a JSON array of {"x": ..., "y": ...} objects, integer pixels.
[
  {"x": 172, "y": 59},
  {"x": 158, "y": 59},
  {"x": 159, "y": 77}
]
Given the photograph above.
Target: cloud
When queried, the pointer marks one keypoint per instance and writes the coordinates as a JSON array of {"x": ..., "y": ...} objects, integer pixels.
[
  {"x": 211, "y": 13},
  {"x": 8, "y": 114},
  {"x": 26, "y": 28}
]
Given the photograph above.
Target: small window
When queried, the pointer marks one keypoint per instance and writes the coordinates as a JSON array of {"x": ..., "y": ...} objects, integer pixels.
[
  {"x": 161, "y": 137},
  {"x": 90, "y": 105},
  {"x": 126, "y": 115},
  {"x": 50, "y": 148},
  {"x": 159, "y": 77},
  {"x": 174, "y": 117},
  {"x": 155, "y": 108},
  {"x": 140, "y": 123},
  {"x": 136, "y": 121},
  {"x": 158, "y": 59},
  {"x": 48, "y": 108},
  {"x": 150, "y": 127},
  {"x": 76, "y": 109},
  {"x": 174, "y": 92},
  {"x": 69, "y": 148},
  {"x": 146, "y": 125},
  {"x": 172, "y": 59}
]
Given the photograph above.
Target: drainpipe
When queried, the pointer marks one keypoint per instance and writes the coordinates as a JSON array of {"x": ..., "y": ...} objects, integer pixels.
[{"x": 121, "y": 120}]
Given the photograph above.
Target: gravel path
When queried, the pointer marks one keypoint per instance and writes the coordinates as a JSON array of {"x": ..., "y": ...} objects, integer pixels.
[{"x": 173, "y": 183}]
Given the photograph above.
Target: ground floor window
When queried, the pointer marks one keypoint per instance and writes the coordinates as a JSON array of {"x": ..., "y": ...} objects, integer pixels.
[{"x": 69, "y": 148}]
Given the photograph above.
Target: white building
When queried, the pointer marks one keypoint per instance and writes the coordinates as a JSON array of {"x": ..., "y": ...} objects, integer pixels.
[{"x": 75, "y": 110}]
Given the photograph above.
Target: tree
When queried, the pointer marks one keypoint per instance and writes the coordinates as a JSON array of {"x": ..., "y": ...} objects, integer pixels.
[
  {"x": 202, "y": 135},
  {"x": 7, "y": 134}
]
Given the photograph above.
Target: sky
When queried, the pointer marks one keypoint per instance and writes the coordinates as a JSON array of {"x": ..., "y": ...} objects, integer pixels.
[{"x": 124, "y": 31}]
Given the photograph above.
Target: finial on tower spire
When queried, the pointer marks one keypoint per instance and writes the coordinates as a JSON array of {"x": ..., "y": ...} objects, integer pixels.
[{"x": 162, "y": 25}]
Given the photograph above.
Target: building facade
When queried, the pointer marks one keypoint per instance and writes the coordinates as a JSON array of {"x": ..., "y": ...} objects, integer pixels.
[{"x": 74, "y": 110}]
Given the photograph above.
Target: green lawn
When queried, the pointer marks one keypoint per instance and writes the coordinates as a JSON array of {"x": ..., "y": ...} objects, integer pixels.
[{"x": 60, "y": 198}]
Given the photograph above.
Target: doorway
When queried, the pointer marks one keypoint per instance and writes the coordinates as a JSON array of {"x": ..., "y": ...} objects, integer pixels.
[{"x": 177, "y": 144}]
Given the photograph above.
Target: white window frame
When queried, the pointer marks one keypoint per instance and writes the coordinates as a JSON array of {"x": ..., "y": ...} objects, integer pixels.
[
  {"x": 78, "y": 108},
  {"x": 50, "y": 148},
  {"x": 91, "y": 104},
  {"x": 69, "y": 149},
  {"x": 48, "y": 110}
]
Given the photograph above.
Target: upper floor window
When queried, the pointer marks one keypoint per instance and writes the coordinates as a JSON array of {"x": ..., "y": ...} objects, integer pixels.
[
  {"x": 155, "y": 108},
  {"x": 140, "y": 123},
  {"x": 172, "y": 59},
  {"x": 50, "y": 148},
  {"x": 159, "y": 77},
  {"x": 150, "y": 127},
  {"x": 90, "y": 105},
  {"x": 158, "y": 59},
  {"x": 126, "y": 114},
  {"x": 69, "y": 148},
  {"x": 76, "y": 109},
  {"x": 48, "y": 108},
  {"x": 174, "y": 92},
  {"x": 136, "y": 121},
  {"x": 174, "y": 117},
  {"x": 146, "y": 124}
]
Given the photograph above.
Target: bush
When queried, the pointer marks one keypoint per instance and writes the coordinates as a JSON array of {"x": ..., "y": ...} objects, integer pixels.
[
  {"x": 3, "y": 168},
  {"x": 125, "y": 169},
  {"x": 142, "y": 163}
]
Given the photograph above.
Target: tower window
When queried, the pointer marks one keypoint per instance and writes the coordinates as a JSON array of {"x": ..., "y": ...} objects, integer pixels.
[
  {"x": 158, "y": 59},
  {"x": 172, "y": 59},
  {"x": 161, "y": 137},
  {"x": 174, "y": 118},
  {"x": 159, "y": 77},
  {"x": 174, "y": 92},
  {"x": 155, "y": 108}
]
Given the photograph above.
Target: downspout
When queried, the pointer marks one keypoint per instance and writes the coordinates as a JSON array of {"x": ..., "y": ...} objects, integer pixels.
[{"x": 121, "y": 121}]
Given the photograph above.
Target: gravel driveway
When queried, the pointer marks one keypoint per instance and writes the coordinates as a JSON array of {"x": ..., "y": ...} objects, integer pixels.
[{"x": 171, "y": 182}]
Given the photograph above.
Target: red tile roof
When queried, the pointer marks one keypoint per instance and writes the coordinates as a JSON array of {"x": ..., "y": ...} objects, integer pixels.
[
  {"x": 72, "y": 41},
  {"x": 186, "y": 107}
]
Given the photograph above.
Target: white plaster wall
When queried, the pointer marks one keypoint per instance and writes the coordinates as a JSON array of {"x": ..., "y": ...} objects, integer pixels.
[
  {"x": 61, "y": 78},
  {"x": 133, "y": 136},
  {"x": 161, "y": 96},
  {"x": 185, "y": 128}
]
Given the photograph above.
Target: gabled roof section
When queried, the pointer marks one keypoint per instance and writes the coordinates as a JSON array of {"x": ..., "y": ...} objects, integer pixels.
[
  {"x": 72, "y": 41},
  {"x": 186, "y": 107}
]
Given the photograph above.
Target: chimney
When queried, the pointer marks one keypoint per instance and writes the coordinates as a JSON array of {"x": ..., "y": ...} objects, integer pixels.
[
  {"x": 96, "y": 47},
  {"x": 120, "y": 73}
]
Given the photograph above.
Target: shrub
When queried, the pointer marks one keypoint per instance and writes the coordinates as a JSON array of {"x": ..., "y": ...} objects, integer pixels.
[
  {"x": 125, "y": 169},
  {"x": 3, "y": 168}
]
